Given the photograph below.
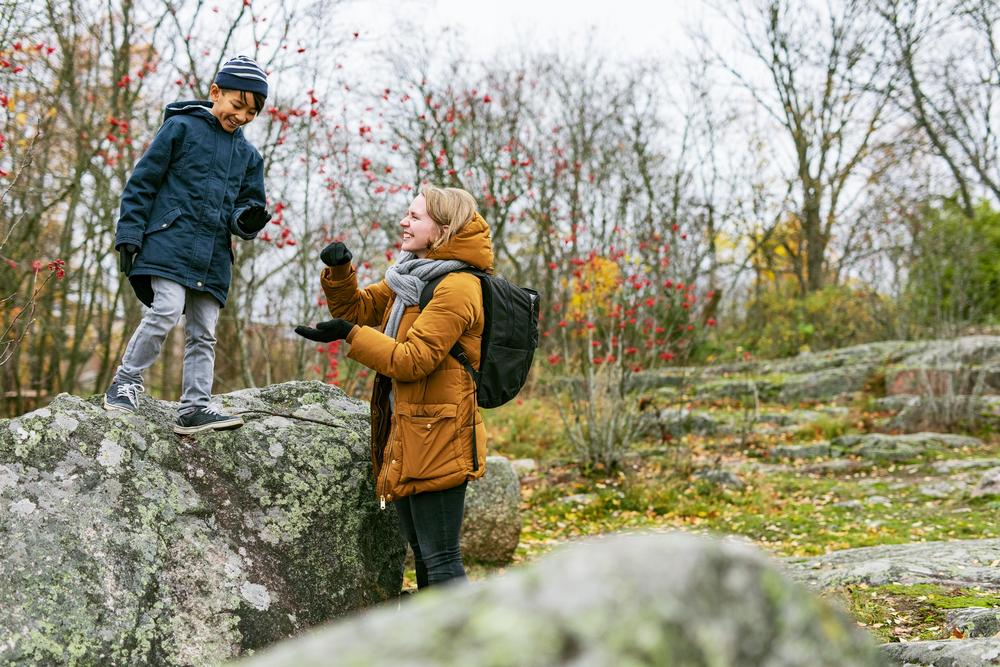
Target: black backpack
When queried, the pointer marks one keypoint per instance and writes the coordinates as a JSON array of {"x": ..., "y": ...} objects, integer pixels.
[{"x": 510, "y": 336}]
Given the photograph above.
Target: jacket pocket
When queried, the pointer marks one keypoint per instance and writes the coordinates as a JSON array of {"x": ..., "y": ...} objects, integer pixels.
[
  {"x": 164, "y": 221},
  {"x": 429, "y": 439}
]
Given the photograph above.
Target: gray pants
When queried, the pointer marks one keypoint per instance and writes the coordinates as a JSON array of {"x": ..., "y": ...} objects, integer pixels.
[{"x": 201, "y": 312}]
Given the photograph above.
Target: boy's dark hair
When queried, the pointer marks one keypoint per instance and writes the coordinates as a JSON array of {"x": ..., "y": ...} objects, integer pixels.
[{"x": 258, "y": 99}]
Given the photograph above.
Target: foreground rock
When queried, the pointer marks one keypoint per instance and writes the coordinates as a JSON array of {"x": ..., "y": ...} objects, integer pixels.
[
  {"x": 122, "y": 544},
  {"x": 947, "y": 653},
  {"x": 639, "y": 600},
  {"x": 963, "y": 563},
  {"x": 492, "y": 525}
]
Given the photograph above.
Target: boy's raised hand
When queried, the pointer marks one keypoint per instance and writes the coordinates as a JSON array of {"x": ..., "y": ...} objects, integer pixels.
[
  {"x": 254, "y": 219},
  {"x": 126, "y": 256},
  {"x": 336, "y": 254},
  {"x": 326, "y": 332}
]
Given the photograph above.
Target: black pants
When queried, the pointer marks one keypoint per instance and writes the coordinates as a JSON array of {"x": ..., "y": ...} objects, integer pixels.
[{"x": 432, "y": 523}]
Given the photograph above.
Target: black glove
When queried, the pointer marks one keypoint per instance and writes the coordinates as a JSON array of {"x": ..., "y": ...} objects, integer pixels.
[
  {"x": 254, "y": 219},
  {"x": 126, "y": 257},
  {"x": 326, "y": 332},
  {"x": 335, "y": 254}
]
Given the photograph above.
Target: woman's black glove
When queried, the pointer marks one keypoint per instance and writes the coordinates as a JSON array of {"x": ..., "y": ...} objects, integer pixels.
[
  {"x": 126, "y": 256},
  {"x": 335, "y": 254},
  {"x": 326, "y": 332},
  {"x": 254, "y": 219}
]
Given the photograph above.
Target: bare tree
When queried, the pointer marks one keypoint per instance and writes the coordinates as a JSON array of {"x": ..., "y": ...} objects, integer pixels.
[{"x": 822, "y": 86}]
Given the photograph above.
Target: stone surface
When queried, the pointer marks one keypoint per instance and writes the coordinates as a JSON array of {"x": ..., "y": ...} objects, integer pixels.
[
  {"x": 826, "y": 384},
  {"x": 813, "y": 450},
  {"x": 989, "y": 484},
  {"x": 966, "y": 365},
  {"x": 883, "y": 447},
  {"x": 724, "y": 478},
  {"x": 946, "y": 653},
  {"x": 523, "y": 467},
  {"x": 669, "y": 599},
  {"x": 491, "y": 528},
  {"x": 959, "y": 563},
  {"x": 123, "y": 544},
  {"x": 973, "y": 622}
]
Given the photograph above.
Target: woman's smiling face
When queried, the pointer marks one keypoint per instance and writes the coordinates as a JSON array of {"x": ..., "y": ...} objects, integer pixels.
[
  {"x": 232, "y": 108},
  {"x": 419, "y": 230}
]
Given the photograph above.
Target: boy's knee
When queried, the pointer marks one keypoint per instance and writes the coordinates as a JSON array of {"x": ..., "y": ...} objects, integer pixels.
[{"x": 167, "y": 312}]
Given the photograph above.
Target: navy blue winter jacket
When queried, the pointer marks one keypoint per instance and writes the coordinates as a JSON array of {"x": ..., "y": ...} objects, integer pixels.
[{"x": 182, "y": 201}]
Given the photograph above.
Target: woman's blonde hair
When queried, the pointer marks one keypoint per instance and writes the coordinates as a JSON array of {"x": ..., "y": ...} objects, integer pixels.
[{"x": 450, "y": 208}]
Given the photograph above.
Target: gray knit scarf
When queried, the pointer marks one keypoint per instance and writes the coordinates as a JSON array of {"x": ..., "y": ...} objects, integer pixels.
[{"x": 407, "y": 278}]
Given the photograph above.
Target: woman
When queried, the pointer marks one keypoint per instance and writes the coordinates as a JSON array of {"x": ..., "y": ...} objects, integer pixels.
[{"x": 424, "y": 402}]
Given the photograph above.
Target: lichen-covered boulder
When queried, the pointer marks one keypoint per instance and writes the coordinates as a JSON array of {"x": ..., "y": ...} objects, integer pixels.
[
  {"x": 123, "y": 544},
  {"x": 669, "y": 599},
  {"x": 491, "y": 527}
]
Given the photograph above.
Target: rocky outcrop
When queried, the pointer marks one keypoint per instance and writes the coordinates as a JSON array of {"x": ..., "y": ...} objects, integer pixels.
[
  {"x": 962, "y": 366},
  {"x": 669, "y": 599},
  {"x": 961, "y": 563},
  {"x": 123, "y": 544}
]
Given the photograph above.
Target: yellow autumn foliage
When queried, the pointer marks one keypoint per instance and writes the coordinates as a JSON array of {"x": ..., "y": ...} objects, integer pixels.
[{"x": 592, "y": 291}]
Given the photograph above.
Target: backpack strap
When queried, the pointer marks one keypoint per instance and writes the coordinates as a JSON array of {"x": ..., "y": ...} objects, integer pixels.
[{"x": 426, "y": 294}]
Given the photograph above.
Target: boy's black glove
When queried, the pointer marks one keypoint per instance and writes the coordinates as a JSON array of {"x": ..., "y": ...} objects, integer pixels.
[
  {"x": 326, "y": 332},
  {"x": 335, "y": 254},
  {"x": 254, "y": 219},
  {"x": 126, "y": 256}
]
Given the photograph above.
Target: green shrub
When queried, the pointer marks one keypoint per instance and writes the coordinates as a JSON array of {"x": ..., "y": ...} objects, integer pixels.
[
  {"x": 781, "y": 323},
  {"x": 954, "y": 278}
]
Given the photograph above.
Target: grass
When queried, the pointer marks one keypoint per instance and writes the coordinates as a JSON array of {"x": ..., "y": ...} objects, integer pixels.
[{"x": 898, "y": 612}]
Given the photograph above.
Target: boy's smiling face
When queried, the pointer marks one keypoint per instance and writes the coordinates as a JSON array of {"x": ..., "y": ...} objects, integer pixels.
[{"x": 233, "y": 108}]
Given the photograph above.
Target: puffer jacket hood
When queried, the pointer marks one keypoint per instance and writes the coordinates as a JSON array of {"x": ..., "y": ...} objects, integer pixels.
[{"x": 472, "y": 245}]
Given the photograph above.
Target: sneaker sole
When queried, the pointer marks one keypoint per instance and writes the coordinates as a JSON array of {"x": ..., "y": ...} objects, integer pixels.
[
  {"x": 227, "y": 425},
  {"x": 111, "y": 407}
]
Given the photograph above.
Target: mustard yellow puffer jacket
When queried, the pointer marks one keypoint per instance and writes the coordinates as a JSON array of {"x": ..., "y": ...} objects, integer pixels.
[{"x": 426, "y": 443}]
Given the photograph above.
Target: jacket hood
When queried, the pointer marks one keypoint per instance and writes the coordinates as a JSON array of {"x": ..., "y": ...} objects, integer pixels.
[
  {"x": 201, "y": 108},
  {"x": 472, "y": 245}
]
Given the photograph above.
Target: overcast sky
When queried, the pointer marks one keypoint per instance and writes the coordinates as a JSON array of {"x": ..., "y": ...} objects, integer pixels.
[{"x": 630, "y": 28}]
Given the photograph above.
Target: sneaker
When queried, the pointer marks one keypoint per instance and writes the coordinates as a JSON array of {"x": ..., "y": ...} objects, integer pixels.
[
  {"x": 206, "y": 419},
  {"x": 123, "y": 396}
]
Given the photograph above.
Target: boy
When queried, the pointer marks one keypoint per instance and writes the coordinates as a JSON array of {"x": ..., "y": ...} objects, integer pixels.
[{"x": 199, "y": 182}]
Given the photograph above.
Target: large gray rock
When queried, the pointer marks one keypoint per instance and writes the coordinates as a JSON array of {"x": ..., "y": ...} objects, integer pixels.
[
  {"x": 960, "y": 563},
  {"x": 946, "y": 653},
  {"x": 491, "y": 528},
  {"x": 122, "y": 544},
  {"x": 967, "y": 365},
  {"x": 669, "y": 599}
]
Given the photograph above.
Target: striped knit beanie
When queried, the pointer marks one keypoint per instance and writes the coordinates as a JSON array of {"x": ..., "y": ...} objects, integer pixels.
[{"x": 242, "y": 73}]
